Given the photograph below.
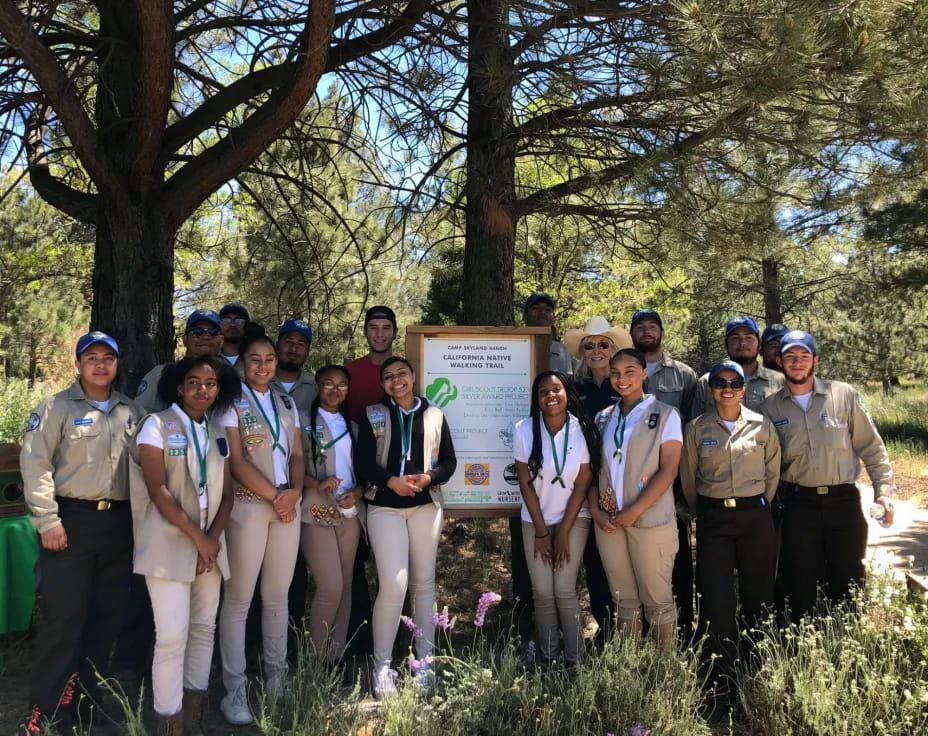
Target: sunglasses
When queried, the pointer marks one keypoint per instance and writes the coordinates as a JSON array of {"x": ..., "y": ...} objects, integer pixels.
[
  {"x": 736, "y": 383},
  {"x": 602, "y": 345},
  {"x": 201, "y": 331},
  {"x": 331, "y": 386}
]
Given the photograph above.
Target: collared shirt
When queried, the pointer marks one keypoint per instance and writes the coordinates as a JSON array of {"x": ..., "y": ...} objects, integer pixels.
[
  {"x": 596, "y": 398},
  {"x": 719, "y": 463},
  {"x": 763, "y": 383},
  {"x": 561, "y": 359},
  {"x": 825, "y": 444},
  {"x": 303, "y": 391},
  {"x": 674, "y": 383},
  {"x": 74, "y": 449}
]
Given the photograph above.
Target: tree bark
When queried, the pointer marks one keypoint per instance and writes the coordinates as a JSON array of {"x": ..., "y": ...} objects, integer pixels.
[
  {"x": 489, "y": 254},
  {"x": 133, "y": 286},
  {"x": 773, "y": 304}
]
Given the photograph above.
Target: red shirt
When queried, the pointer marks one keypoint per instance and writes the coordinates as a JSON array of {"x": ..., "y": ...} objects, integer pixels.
[{"x": 365, "y": 386}]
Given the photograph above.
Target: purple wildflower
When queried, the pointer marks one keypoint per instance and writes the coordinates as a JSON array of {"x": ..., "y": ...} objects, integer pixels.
[
  {"x": 639, "y": 729},
  {"x": 411, "y": 625},
  {"x": 417, "y": 664},
  {"x": 483, "y": 605},
  {"x": 441, "y": 620}
]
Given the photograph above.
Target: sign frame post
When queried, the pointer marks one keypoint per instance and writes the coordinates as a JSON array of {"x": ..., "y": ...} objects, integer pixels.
[{"x": 539, "y": 359}]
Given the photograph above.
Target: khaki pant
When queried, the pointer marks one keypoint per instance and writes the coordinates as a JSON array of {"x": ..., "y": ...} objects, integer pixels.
[
  {"x": 258, "y": 542},
  {"x": 185, "y": 627},
  {"x": 329, "y": 552},
  {"x": 405, "y": 546},
  {"x": 639, "y": 567},
  {"x": 554, "y": 593}
]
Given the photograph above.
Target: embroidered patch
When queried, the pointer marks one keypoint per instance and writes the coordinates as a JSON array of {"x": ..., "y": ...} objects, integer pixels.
[
  {"x": 177, "y": 452},
  {"x": 223, "y": 446},
  {"x": 241, "y": 403},
  {"x": 255, "y": 439},
  {"x": 652, "y": 421},
  {"x": 249, "y": 421},
  {"x": 434, "y": 459},
  {"x": 286, "y": 401},
  {"x": 34, "y": 422},
  {"x": 129, "y": 422},
  {"x": 177, "y": 440},
  {"x": 83, "y": 422},
  {"x": 781, "y": 422},
  {"x": 710, "y": 443},
  {"x": 142, "y": 386},
  {"x": 172, "y": 426}
]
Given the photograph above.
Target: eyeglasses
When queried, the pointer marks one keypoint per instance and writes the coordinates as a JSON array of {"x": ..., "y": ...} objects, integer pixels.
[
  {"x": 201, "y": 331},
  {"x": 331, "y": 386},
  {"x": 602, "y": 345},
  {"x": 236, "y": 320},
  {"x": 720, "y": 383}
]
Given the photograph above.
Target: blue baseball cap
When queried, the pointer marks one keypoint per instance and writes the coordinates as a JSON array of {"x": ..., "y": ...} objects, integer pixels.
[
  {"x": 772, "y": 332},
  {"x": 202, "y": 315},
  {"x": 725, "y": 365},
  {"x": 296, "y": 325},
  {"x": 742, "y": 321},
  {"x": 234, "y": 307},
  {"x": 797, "y": 338},
  {"x": 643, "y": 314},
  {"x": 95, "y": 338}
]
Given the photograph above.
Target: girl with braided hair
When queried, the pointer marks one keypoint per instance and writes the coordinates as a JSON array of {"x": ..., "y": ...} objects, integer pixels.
[{"x": 557, "y": 455}]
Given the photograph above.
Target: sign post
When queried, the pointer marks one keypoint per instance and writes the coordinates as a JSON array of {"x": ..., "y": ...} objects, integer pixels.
[{"x": 481, "y": 378}]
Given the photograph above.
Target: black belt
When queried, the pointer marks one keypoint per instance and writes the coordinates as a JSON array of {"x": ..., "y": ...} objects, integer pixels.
[
  {"x": 734, "y": 502},
  {"x": 841, "y": 490},
  {"x": 106, "y": 504}
]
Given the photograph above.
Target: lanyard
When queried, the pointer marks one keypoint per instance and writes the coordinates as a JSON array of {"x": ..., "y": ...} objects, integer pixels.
[
  {"x": 559, "y": 463},
  {"x": 618, "y": 434},
  {"x": 405, "y": 421},
  {"x": 322, "y": 447},
  {"x": 275, "y": 430},
  {"x": 201, "y": 458}
]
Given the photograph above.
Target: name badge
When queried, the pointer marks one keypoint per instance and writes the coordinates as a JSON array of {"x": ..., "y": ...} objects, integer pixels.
[
  {"x": 83, "y": 422},
  {"x": 710, "y": 443},
  {"x": 781, "y": 422}
]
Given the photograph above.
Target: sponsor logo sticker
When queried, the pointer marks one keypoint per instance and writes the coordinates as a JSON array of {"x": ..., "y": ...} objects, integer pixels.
[{"x": 477, "y": 474}]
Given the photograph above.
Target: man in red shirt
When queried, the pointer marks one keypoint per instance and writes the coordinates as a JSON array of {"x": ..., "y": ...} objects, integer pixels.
[{"x": 380, "y": 332}]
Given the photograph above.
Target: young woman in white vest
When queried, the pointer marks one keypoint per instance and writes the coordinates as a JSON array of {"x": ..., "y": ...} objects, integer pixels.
[
  {"x": 332, "y": 511},
  {"x": 181, "y": 494},
  {"x": 557, "y": 454},
  {"x": 266, "y": 453},
  {"x": 404, "y": 453},
  {"x": 632, "y": 503}
]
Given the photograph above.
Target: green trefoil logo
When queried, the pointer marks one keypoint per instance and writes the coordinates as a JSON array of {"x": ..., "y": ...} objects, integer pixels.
[{"x": 441, "y": 392}]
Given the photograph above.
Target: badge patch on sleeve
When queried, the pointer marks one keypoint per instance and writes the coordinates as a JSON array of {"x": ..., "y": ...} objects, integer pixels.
[
  {"x": 142, "y": 386},
  {"x": 34, "y": 422}
]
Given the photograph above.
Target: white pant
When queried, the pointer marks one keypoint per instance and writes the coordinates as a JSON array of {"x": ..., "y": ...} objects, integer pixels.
[
  {"x": 185, "y": 627},
  {"x": 258, "y": 542},
  {"x": 405, "y": 545}
]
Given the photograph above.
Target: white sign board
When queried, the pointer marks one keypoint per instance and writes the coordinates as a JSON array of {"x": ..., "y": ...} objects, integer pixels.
[{"x": 482, "y": 386}]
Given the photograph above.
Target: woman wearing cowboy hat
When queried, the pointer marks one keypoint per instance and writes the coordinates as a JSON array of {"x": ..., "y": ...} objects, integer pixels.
[{"x": 594, "y": 345}]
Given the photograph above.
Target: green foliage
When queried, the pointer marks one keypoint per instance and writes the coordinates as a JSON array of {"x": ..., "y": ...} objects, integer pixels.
[{"x": 16, "y": 402}]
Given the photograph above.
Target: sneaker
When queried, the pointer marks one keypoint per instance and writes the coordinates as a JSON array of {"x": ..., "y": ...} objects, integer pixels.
[
  {"x": 384, "y": 682},
  {"x": 234, "y": 707},
  {"x": 425, "y": 679}
]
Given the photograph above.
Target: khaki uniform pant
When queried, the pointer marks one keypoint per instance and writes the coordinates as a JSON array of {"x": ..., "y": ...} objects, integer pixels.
[
  {"x": 258, "y": 542},
  {"x": 639, "y": 567}
]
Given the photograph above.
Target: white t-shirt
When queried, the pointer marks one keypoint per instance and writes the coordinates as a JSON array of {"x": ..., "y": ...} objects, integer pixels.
[
  {"x": 729, "y": 425},
  {"x": 233, "y": 359},
  {"x": 288, "y": 385},
  {"x": 103, "y": 406},
  {"x": 551, "y": 496},
  {"x": 652, "y": 367},
  {"x": 282, "y": 455},
  {"x": 672, "y": 431},
  {"x": 342, "y": 449},
  {"x": 149, "y": 434},
  {"x": 803, "y": 400}
]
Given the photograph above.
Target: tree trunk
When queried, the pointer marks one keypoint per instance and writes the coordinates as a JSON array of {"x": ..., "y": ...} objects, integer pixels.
[
  {"x": 133, "y": 284},
  {"x": 489, "y": 253},
  {"x": 773, "y": 304}
]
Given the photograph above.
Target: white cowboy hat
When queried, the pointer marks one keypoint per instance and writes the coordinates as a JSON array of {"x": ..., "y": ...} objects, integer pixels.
[{"x": 594, "y": 327}]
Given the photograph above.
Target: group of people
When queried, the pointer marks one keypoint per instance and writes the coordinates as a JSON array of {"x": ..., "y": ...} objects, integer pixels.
[{"x": 234, "y": 469}]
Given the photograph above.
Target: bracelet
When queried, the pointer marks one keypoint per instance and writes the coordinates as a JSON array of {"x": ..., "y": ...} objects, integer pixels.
[{"x": 546, "y": 534}]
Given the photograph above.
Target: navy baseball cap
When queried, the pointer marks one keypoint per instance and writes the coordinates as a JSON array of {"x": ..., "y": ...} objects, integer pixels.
[
  {"x": 772, "y": 332},
  {"x": 95, "y": 338},
  {"x": 202, "y": 315},
  {"x": 538, "y": 296},
  {"x": 380, "y": 312},
  {"x": 742, "y": 321},
  {"x": 234, "y": 307},
  {"x": 643, "y": 314},
  {"x": 797, "y": 338},
  {"x": 725, "y": 365},
  {"x": 296, "y": 325}
]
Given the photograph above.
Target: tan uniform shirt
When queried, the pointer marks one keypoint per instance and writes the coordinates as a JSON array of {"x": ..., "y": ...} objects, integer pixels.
[
  {"x": 74, "y": 449},
  {"x": 824, "y": 445},
  {"x": 146, "y": 397},
  {"x": 765, "y": 382},
  {"x": 719, "y": 464},
  {"x": 303, "y": 391},
  {"x": 673, "y": 383}
]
